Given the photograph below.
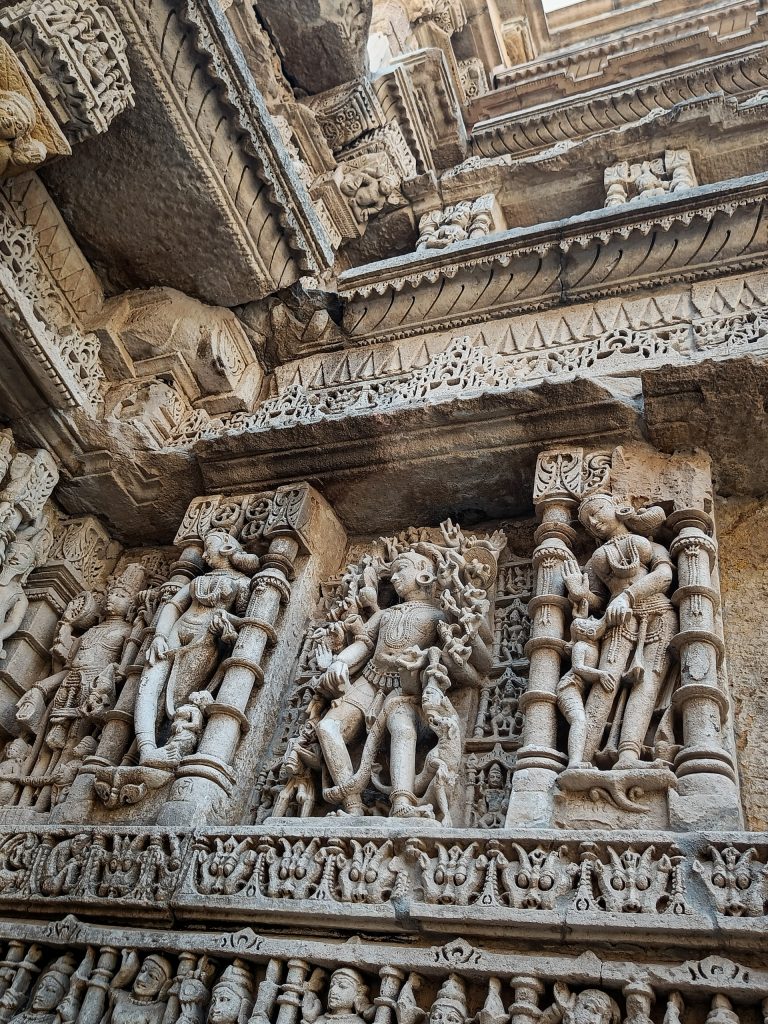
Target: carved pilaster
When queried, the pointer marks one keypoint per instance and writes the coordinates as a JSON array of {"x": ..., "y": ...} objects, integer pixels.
[
  {"x": 290, "y": 520},
  {"x": 557, "y": 485},
  {"x": 707, "y": 792}
]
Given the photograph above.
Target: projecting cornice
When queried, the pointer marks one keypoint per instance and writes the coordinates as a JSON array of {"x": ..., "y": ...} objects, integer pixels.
[
  {"x": 713, "y": 229},
  {"x": 568, "y": 119},
  {"x": 195, "y": 177}
]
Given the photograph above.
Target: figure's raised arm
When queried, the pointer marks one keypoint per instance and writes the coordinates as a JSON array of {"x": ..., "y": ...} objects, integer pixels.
[{"x": 169, "y": 615}]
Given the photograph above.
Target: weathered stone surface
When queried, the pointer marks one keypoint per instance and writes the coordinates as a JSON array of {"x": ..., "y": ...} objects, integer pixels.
[
  {"x": 322, "y": 43},
  {"x": 744, "y": 580},
  {"x": 383, "y": 571}
]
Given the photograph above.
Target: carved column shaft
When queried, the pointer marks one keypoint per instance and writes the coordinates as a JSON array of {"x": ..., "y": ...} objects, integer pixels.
[
  {"x": 292, "y": 992},
  {"x": 525, "y": 1009},
  {"x": 702, "y": 704},
  {"x": 539, "y": 760}
]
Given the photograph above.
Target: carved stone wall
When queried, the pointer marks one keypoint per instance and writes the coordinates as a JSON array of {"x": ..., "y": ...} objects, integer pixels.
[
  {"x": 744, "y": 579},
  {"x": 383, "y": 558}
]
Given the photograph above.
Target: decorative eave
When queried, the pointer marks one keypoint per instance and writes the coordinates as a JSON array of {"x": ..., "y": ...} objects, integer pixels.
[
  {"x": 548, "y": 264},
  {"x": 227, "y": 65},
  {"x": 581, "y": 61},
  {"x": 525, "y": 132},
  {"x": 199, "y": 156}
]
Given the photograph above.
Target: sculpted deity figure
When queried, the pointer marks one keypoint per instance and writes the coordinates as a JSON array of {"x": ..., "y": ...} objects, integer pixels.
[
  {"x": 147, "y": 999},
  {"x": 623, "y": 657},
  {"x": 390, "y": 681},
  {"x": 11, "y": 768},
  {"x": 369, "y": 186},
  {"x": 48, "y": 996},
  {"x": 376, "y": 659},
  {"x": 494, "y": 797},
  {"x": 450, "y": 1005},
  {"x": 347, "y": 1001},
  {"x": 591, "y": 1006},
  {"x": 19, "y": 563},
  {"x": 68, "y": 767},
  {"x": 65, "y": 719},
  {"x": 648, "y": 184},
  {"x": 192, "y": 628},
  {"x": 232, "y": 996}
]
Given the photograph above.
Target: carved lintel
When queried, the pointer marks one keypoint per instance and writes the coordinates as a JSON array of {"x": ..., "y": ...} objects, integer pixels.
[{"x": 253, "y": 518}]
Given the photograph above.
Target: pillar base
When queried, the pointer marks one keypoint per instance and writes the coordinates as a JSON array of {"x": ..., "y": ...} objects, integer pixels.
[
  {"x": 705, "y": 802},
  {"x": 531, "y": 804}
]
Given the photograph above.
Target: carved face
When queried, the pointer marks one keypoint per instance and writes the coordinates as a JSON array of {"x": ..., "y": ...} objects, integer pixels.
[
  {"x": 225, "y": 1005},
  {"x": 591, "y": 1007},
  {"x": 405, "y": 575},
  {"x": 49, "y": 993},
  {"x": 218, "y": 548},
  {"x": 150, "y": 979},
  {"x": 19, "y": 559},
  {"x": 343, "y": 990},
  {"x": 444, "y": 1013},
  {"x": 598, "y": 515},
  {"x": 117, "y": 602},
  {"x": 495, "y": 777}
]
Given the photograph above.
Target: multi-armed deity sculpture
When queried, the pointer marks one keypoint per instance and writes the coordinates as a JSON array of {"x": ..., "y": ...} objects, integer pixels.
[{"x": 410, "y": 628}]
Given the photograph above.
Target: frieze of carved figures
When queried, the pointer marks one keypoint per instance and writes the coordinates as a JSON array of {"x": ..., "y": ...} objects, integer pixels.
[
  {"x": 77, "y": 47},
  {"x": 503, "y": 878},
  {"x": 407, "y": 634},
  {"x": 69, "y": 972},
  {"x": 471, "y": 218},
  {"x": 672, "y": 172}
]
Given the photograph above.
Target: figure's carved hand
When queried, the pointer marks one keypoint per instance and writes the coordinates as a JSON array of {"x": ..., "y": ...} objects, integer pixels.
[
  {"x": 452, "y": 534},
  {"x": 619, "y": 611},
  {"x": 30, "y": 709},
  {"x": 354, "y": 625},
  {"x": 158, "y": 651},
  {"x": 412, "y": 659},
  {"x": 607, "y": 681},
  {"x": 323, "y": 654},
  {"x": 335, "y": 680},
  {"x": 221, "y": 624},
  {"x": 576, "y": 582}
]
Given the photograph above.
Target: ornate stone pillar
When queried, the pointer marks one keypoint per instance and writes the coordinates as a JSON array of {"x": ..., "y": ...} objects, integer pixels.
[
  {"x": 81, "y": 556},
  {"x": 707, "y": 794},
  {"x": 556, "y": 488}
]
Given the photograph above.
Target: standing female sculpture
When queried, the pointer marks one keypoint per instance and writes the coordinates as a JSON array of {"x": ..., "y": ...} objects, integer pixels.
[
  {"x": 191, "y": 629},
  {"x": 629, "y": 576}
]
